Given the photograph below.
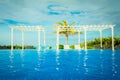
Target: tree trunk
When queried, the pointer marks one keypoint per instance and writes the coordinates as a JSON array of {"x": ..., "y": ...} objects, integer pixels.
[{"x": 66, "y": 39}]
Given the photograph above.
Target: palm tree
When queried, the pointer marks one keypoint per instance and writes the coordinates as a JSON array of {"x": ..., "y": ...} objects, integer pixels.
[{"x": 66, "y": 29}]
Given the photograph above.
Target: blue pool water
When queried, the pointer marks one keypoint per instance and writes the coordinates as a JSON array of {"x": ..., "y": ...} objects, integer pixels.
[{"x": 62, "y": 65}]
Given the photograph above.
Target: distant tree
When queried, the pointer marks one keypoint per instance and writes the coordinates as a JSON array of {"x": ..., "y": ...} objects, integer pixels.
[{"x": 50, "y": 47}]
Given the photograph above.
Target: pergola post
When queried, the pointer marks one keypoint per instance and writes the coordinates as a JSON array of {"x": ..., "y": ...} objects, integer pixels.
[
  {"x": 57, "y": 39},
  {"x": 22, "y": 40},
  {"x": 44, "y": 39},
  {"x": 112, "y": 28},
  {"x": 85, "y": 39},
  {"x": 100, "y": 39},
  {"x": 12, "y": 38},
  {"x": 79, "y": 38},
  {"x": 38, "y": 40}
]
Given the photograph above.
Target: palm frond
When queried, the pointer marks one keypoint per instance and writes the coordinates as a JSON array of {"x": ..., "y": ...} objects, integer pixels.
[
  {"x": 59, "y": 23},
  {"x": 65, "y": 23},
  {"x": 73, "y": 23}
]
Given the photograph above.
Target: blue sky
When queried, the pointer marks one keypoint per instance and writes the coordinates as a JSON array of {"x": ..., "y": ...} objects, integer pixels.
[{"x": 47, "y": 12}]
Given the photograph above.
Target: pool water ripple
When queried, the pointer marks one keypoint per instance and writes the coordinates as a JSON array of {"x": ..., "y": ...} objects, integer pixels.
[{"x": 60, "y": 65}]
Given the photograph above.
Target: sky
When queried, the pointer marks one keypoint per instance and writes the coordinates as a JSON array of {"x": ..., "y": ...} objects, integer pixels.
[{"x": 47, "y": 12}]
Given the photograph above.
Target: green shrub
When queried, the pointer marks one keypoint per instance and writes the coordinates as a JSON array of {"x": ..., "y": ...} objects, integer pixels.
[
  {"x": 72, "y": 47},
  {"x": 50, "y": 47},
  {"x": 61, "y": 46}
]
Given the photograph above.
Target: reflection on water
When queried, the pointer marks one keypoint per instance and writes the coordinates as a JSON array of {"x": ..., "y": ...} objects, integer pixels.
[
  {"x": 57, "y": 60},
  {"x": 113, "y": 64},
  {"x": 12, "y": 69},
  {"x": 37, "y": 68},
  {"x": 101, "y": 63},
  {"x": 78, "y": 60},
  {"x": 85, "y": 62},
  {"x": 22, "y": 58},
  {"x": 39, "y": 59},
  {"x": 11, "y": 56}
]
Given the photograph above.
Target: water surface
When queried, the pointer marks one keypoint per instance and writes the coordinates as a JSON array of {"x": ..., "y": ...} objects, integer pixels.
[{"x": 62, "y": 65}]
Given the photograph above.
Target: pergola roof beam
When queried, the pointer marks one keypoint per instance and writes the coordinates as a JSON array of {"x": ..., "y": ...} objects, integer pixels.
[
  {"x": 88, "y": 27},
  {"x": 29, "y": 28}
]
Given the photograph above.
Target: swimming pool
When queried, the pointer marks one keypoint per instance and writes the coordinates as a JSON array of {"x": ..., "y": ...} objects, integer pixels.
[{"x": 62, "y": 65}]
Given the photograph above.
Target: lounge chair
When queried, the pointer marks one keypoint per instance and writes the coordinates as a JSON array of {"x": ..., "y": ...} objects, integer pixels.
[
  {"x": 66, "y": 47},
  {"x": 77, "y": 47}
]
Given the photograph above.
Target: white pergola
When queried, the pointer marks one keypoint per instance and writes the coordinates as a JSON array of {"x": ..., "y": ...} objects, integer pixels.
[
  {"x": 86, "y": 28},
  {"x": 24, "y": 29}
]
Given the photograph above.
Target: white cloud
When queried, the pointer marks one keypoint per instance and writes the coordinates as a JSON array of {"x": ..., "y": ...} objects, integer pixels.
[{"x": 91, "y": 11}]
